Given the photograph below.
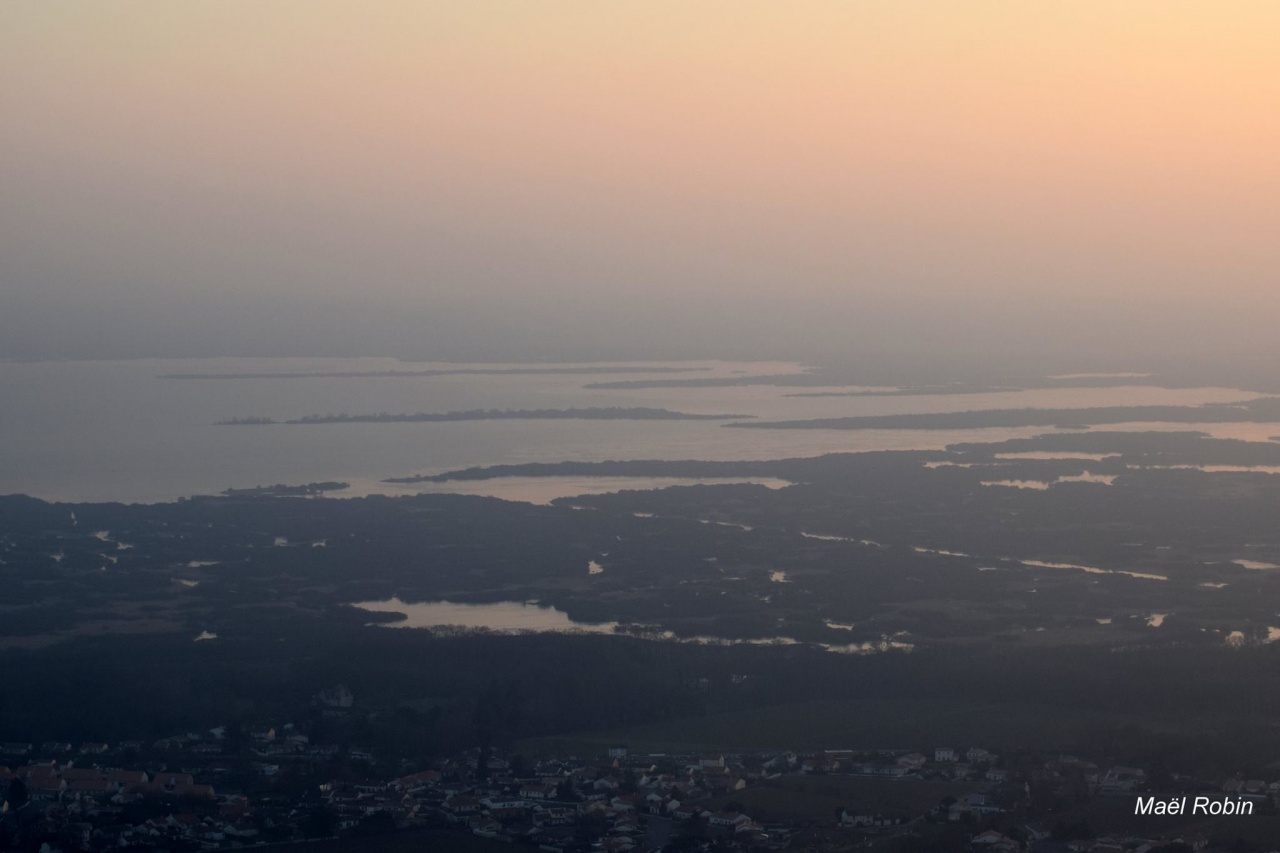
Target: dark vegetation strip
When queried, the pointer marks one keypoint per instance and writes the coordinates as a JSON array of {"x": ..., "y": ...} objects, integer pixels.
[
  {"x": 461, "y": 371},
  {"x": 1258, "y": 410},
  {"x": 588, "y": 414}
]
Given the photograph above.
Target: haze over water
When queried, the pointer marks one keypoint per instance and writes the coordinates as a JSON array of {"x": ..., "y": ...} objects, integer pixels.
[{"x": 118, "y": 431}]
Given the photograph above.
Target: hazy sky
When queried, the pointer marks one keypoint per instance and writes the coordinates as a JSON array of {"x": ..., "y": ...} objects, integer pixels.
[{"x": 570, "y": 178}]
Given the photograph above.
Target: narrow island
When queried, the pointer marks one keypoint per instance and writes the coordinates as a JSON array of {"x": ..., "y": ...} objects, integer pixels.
[
  {"x": 452, "y": 371},
  {"x": 1257, "y": 410},
  {"x": 873, "y": 385},
  {"x": 914, "y": 391},
  {"x": 589, "y": 414},
  {"x": 280, "y": 490},
  {"x": 688, "y": 468},
  {"x": 779, "y": 379}
]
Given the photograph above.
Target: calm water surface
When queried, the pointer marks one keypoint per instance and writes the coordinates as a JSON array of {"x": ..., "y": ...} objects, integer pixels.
[
  {"x": 530, "y": 616},
  {"x": 98, "y": 431}
]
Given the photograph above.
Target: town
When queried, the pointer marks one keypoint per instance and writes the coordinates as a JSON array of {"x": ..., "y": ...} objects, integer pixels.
[{"x": 233, "y": 787}]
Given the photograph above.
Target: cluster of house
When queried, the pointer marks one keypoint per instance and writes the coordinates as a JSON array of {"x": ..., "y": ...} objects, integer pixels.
[
  {"x": 568, "y": 804},
  {"x": 978, "y": 763},
  {"x": 1196, "y": 842},
  {"x": 50, "y": 781},
  {"x": 183, "y": 830},
  {"x": 81, "y": 804},
  {"x": 89, "y": 797},
  {"x": 620, "y": 804},
  {"x": 1035, "y": 839}
]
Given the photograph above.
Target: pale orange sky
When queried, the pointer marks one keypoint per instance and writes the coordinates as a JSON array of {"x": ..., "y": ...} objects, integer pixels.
[{"x": 441, "y": 155}]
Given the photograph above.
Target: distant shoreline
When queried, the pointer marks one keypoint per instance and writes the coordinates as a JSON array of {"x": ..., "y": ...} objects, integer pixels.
[
  {"x": 640, "y": 468},
  {"x": 1257, "y": 410},
  {"x": 281, "y": 490},
  {"x": 460, "y": 371},
  {"x": 590, "y": 414}
]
